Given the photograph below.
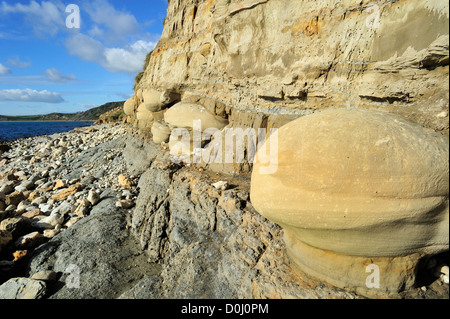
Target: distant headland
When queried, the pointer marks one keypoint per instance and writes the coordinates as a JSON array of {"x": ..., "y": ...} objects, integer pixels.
[{"x": 89, "y": 115}]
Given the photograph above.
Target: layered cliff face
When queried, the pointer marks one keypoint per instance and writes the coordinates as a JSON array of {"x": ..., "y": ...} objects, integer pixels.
[{"x": 262, "y": 63}]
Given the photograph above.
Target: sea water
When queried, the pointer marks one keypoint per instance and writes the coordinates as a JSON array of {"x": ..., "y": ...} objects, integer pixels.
[{"x": 13, "y": 130}]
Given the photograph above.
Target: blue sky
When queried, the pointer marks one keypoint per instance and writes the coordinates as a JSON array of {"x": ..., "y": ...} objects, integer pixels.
[{"x": 46, "y": 67}]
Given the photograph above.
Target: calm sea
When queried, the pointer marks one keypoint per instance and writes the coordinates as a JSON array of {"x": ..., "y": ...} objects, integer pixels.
[{"x": 14, "y": 130}]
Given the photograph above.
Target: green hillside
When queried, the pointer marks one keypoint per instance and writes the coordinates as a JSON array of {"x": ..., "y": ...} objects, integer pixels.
[{"x": 89, "y": 115}]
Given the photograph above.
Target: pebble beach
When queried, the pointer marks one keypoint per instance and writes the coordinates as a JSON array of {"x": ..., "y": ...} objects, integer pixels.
[{"x": 49, "y": 183}]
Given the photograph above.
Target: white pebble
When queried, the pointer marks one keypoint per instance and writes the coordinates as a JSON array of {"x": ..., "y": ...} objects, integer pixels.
[
  {"x": 222, "y": 185},
  {"x": 443, "y": 114},
  {"x": 93, "y": 197}
]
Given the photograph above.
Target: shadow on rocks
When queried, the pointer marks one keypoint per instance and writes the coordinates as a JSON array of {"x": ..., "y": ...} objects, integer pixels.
[{"x": 96, "y": 258}]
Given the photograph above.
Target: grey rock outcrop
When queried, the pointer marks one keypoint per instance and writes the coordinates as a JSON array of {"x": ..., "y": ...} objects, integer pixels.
[{"x": 98, "y": 250}]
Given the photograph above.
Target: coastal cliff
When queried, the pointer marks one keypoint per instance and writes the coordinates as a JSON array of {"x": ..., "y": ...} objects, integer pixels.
[
  {"x": 251, "y": 64},
  {"x": 266, "y": 62},
  {"x": 180, "y": 229}
]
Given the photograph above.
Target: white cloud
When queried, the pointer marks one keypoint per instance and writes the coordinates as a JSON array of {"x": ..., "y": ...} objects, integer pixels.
[
  {"x": 12, "y": 80},
  {"x": 54, "y": 75},
  {"x": 49, "y": 18},
  {"x": 103, "y": 13},
  {"x": 111, "y": 38},
  {"x": 16, "y": 62},
  {"x": 29, "y": 95},
  {"x": 128, "y": 59},
  {"x": 85, "y": 48},
  {"x": 45, "y": 18},
  {"x": 4, "y": 69},
  {"x": 96, "y": 32}
]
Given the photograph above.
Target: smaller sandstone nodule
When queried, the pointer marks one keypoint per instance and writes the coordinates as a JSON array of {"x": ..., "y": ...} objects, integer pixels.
[
  {"x": 144, "y": 117},
  {"x": 155, "y": 100},
  {"x": 352, "y": 185},
  {"x": 160, "y": 132},
  {"x": 128, "y": 106},
  {"x": 184, "y": 114}
]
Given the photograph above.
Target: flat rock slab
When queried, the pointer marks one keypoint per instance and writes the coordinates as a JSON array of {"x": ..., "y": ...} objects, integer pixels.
[
  {"x": 96, "y": 256},
  {"x": 22, "y": 288}
]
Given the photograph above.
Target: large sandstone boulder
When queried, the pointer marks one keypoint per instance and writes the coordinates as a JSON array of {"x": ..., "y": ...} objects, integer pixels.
[
  {"x": 183, "y": 115},
  {"x": 152, "y": 100},
  {"x": 355, "y": 188},
  {"x": 187, "y": 118}
]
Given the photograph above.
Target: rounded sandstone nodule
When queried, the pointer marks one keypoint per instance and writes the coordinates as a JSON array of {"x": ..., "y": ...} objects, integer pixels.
[
  {"x": 358, "y": 185},
  {"x": 160, "y": 132},
  {"x": 129, "y": 106}
]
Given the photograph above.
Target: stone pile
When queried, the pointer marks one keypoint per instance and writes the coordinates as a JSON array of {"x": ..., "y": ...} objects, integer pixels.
[
  {"x": 160, "y": 112},
  {"x": 49, "y": 183}
]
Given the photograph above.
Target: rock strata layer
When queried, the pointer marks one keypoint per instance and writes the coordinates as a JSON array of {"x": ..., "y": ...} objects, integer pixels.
[
  {"x": 262, "y": 64},
  {"x": 258, "y": 62}
]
